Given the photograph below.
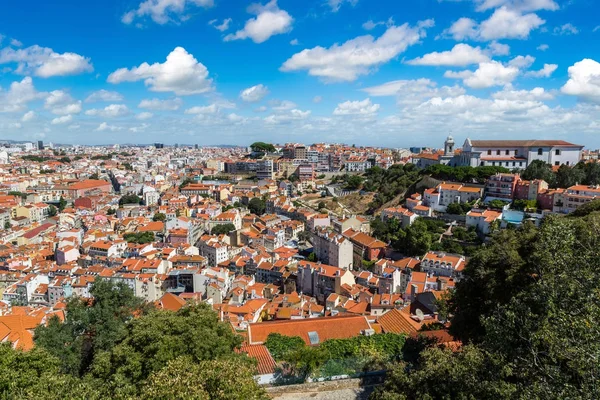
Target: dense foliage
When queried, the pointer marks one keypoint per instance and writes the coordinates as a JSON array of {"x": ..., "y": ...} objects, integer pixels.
[
  {"x": 114, "y": 347},
  {"x": 129, "y": 199},
  {"x": 565, "y": 176},
  {"x": 139, "y": 237},
  {"x": 159, "y": 217},
  {"x": 222, "y": 229},
  {"x": 257, "y": 206},
  {"x": 389, "y": 183},
  {"x": 527, "y": 310},
  {"x": 414, "y": 240},
  {"x": 462, "y": 174},
  {"x": 262, "y": 147}
]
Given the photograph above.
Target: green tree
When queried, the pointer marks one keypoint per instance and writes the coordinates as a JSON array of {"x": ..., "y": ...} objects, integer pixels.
[
  {"x": 312, "y": 257},
  {"x": 417, "y": 241},
  {"x": 52, "y": 211},
  {"x": 94, "y": 176},
  {"x": 159, "y": 217},
  {"x": 455, "y": 209},
  {"x": 538, "y": 169},
  {"x": 139, "y": 237},
  {"x": 154, "y": 339},
  {"x": 280, "y": 345},
  {"x": 89, "y": 328},
  {"x": 129, "y": 199},
  {"x": 185, "y": 379},
  {"x": 262, "y": 147},
  {"x": 568, "y": 176},
  {"x": 222, "y": 229},
  {"x": 354, "y": 182},
  {"x": 62, "y": 204},
  {"x": 257, "y": 206}
]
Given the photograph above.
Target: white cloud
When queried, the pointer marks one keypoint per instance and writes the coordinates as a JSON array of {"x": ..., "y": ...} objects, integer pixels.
[
  {"x": 237, "y": 119},
  {"x": 144, "y": 116},
  {"x": 29, "y": 116},
  {"x": 44, "y": 62},
  {"x": 335, "y": 5},
  {"x": 543, "y": 47},
  {"x": 317, "y": 99},
  {"x": 104, "y": 95},
  {"x": 164, "y": 11},
  {"x": 110, "y": 111},
  {"x": 535, "y": 94},
  {"x": 254, "y": 93},
  {"x": 210, "y": 109},
  {"x": 287, "y": 117},
  {"x": 140, "y": 128},
  {"x": 370, "y": 24},
  {"x": 489, "y": 74},
  {"x": 16, "y": 125},
  {"x": 504, "y": 23},
  {"x": 222, "y": 26},
  {"x": 65, "y": 119},
  {"x": 499, "y": 49},
  {"x": 566, "y": 29},
  {"x": 16, "y": 43},
  {"x": 270, "y": 20},
  {"x": 260, "y": 109},
  {"x": 357, "y": 56},
  {"x": 412, "y": 92},
  {"x": 68, "y": 109},
  {"x": 519, "y": 5},
  {"x": 522, "y": 62},
  {"x": 596, "y": 29},
  {"x": 294, "y": 42},
  {"x": 106, "y": 127},
  {"x": 161, "y": 105},
  {"x": 181, "y": 73},
  {"x": 584, "y": 80},
  {"x": 461, "y": 55},
  {"x": 544, "y": 72},
  {"x": 57, "y": 97},
  {"x": 18, "y": 95},
  {"x": 362, "y": 108},
  {"x": 283, "y": 105}
]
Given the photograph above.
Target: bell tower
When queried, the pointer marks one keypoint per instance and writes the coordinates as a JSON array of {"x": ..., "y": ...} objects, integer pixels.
[{"x": 449, "y": 146}]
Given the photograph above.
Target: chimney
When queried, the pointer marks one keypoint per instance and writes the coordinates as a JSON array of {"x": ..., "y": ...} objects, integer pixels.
[
  {"x": 413, "y": 292},
  {"x": 441, "y": 285}
]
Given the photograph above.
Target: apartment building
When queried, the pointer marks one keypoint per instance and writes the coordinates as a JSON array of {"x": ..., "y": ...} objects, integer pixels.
[{"x": 332, "y": 248}]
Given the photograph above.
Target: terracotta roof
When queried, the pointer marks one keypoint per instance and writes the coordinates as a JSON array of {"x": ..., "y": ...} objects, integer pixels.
[
  {"x": 396, "y": 321},
  {"x": 266, "y": 363},
  {"x": 340, "y": 327},
  {"x": 18, "y": 330},
  {"x": 171, "y": 302}
]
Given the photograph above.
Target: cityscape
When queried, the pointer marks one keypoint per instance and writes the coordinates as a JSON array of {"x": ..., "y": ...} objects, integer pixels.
[{"x": 201, "y": 199}]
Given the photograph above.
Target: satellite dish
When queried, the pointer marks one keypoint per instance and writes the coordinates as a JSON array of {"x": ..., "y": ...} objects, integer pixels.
[{"x": 420, "y": 315}]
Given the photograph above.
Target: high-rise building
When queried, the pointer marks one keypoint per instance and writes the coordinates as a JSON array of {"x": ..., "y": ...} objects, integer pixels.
[
  {"x": 40, "y": 145},
  {"x": 159, "y": 145}
]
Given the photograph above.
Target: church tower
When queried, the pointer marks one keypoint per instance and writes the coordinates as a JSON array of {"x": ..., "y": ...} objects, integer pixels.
[{"x": 449, "y": 146}]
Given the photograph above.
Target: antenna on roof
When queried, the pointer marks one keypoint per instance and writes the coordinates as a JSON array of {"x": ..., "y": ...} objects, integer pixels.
[{"x": 420, "y": 315}]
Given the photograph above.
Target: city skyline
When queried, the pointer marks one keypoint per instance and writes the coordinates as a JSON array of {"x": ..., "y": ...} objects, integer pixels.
[{"x": 366, "y": 73}]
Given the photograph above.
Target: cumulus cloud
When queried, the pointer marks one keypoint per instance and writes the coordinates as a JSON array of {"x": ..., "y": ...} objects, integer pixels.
[
  {"x": 518, "y": 5},
  {"x": 535, "y": 94},
  {"x": 28, "y": 116},
  {"x": 65, "y": 119},
  {"x": 164, "y": 11},
  {"x": 545, "y": 72},
  {"x": 317, "y": 99},
  {"x": 358, "y": 56},
  {"x": 106, "y": 127},
  {"x": 223, "y": 26},
  {"x": 181, "y": 73},
  {"x": 270, "y": 20},
  {"x": 210, "y": 109},
  {"x": 144, "y": 116},
  {"x": 18, "y": 95},
  {"x": 282, "y": 105},
  {"x": 335, "y": 5},
  {"x": 522, "y": 62},
  {"x": 140, "y": 128},
  {"x": 504, "y": 23},
  {"x": 104, "y": 95},
  {"x": 411, "y": 92},
  {"x": 287, "y": 117},
  {"x": 110, "y": 111},
  {"x": 45, "y": 62},
  {"x": 543, "y": 47},
  {"x": 566, "y": 29},
  {"x": 361, "y": 108},
  {"x": 492, "y": 73},
  {"x": 161, "y": 105},
  {"x": 68, "y": 109},
  {"x": 254, "y": 93},
  {"x": 584, "y": 80},
  {"x": 370, "y": 24},
  {"x": 461, "y": 55}
]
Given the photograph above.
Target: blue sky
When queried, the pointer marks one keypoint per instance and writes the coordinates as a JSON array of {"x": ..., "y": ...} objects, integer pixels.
[{"x": 380, "y": 72}]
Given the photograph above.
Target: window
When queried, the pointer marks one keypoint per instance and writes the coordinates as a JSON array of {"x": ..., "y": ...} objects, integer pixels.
[
  {"x": 497, "y": 152},
  {"x": 567, "y": 163},
  {"x": 516, "y": 152},
  {"x": 507, "y": 163},
  {"x": 493, "y": 163},
  {"x": 489, "y": 152},
  {"x": 514, "y": 163},
  {"x": 540, "y": 152},
  {"x": 557, "y": 152},
  {"x": 507, "y": 152},
  {"x": 556, "y": 163}
]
